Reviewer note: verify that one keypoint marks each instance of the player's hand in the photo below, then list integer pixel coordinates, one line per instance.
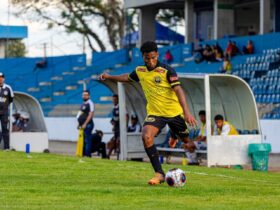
(190, 120)
(103, 76)
(84, 126)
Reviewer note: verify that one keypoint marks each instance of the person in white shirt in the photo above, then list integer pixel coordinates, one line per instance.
(223, 128)
(134, 127)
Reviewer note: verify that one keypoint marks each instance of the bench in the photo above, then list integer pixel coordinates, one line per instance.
(201, 154)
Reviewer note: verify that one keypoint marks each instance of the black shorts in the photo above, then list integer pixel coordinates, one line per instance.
(176, 124)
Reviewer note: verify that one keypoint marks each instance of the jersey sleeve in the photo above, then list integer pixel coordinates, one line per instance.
(11, 94)
(172, 77)
(133, 76)
(91, 106)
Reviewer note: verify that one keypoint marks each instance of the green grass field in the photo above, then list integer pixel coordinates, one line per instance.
(47, 181)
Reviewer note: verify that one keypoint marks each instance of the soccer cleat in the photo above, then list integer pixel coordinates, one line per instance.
(172, 142)
(157, 179)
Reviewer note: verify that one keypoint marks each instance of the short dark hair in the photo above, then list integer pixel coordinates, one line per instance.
(99, 132)
(201, 112)
(115, 96)
(148, 46)
(219, 117)
(86, 91)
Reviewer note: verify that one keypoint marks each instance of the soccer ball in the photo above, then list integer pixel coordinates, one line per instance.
(175, 177)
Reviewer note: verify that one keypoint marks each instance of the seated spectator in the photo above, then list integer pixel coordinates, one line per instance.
(168, 57)
(235, 49)
(228, 52)
(249, 49)
(21, 122)
(226, 68)
(218, 52)
(114, 143)
(97, 144)
(199, 142)
(40, 64)
(223, 128)
(135, 126)
(208, 54)
(198, 54)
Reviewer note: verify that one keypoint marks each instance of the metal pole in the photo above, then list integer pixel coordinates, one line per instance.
(122, 110)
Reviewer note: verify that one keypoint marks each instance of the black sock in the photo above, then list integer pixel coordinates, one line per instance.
(154, 158)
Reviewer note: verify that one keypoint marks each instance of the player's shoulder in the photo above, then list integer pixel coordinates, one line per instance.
(7, 86)
(166, 67)
(141, 69)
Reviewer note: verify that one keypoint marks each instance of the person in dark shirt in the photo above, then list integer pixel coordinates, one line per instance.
(97, 144)
(6, 98)
(114, 143)
(85, 121)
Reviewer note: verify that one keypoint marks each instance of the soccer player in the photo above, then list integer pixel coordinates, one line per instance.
(166, 102)
(223, 127)
(6, 98)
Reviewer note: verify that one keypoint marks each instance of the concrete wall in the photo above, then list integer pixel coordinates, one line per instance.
(64, 129)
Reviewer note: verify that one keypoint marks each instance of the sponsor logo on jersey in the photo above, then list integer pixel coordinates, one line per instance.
(2, 100)
(159, 70)
(5, 92)
(142, 69)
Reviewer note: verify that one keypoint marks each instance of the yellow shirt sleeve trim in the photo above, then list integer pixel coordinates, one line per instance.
(175, 83)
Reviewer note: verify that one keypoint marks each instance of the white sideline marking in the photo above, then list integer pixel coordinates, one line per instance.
(231, 177)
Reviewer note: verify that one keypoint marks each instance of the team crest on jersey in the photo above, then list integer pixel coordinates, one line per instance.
(5, 92)
(157, 79)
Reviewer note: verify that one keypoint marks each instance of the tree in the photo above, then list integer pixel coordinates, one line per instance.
(15, 48)
(78, 16)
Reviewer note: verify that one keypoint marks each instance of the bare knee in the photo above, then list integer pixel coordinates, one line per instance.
(148, 140)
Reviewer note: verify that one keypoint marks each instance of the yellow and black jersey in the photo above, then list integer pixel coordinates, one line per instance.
(157, 85)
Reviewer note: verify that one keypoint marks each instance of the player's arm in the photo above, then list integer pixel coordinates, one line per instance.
(89, 118)
(117, 78)
(183, 102)
(174, 82)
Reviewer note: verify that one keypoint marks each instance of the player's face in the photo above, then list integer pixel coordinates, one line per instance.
(115, 101)
(150, 59)
(202, 118)
(219, 123)
(2, 80)
(85, 96)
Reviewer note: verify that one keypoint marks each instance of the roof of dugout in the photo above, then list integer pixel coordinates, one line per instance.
(229, 95)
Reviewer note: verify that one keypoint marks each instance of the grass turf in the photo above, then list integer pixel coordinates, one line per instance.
(48, 181)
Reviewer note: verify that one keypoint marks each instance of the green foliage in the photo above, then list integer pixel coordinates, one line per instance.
(15, 48)
(48, 181)
(79, 16)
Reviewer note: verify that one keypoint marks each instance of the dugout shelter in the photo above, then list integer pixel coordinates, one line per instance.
(223, 94)
(36, 132)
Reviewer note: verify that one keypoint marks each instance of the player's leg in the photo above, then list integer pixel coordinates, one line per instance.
(110, 146)
(150, 130)
(88, 140)
(173, 140)
(5, 131)
(191, 154)
(178, 128)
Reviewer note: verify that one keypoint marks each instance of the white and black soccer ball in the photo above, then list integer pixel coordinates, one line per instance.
(175, 177)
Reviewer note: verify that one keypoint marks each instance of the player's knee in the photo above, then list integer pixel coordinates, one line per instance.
(147, 140)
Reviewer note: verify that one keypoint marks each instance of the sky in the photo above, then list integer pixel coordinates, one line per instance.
(57, 40)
